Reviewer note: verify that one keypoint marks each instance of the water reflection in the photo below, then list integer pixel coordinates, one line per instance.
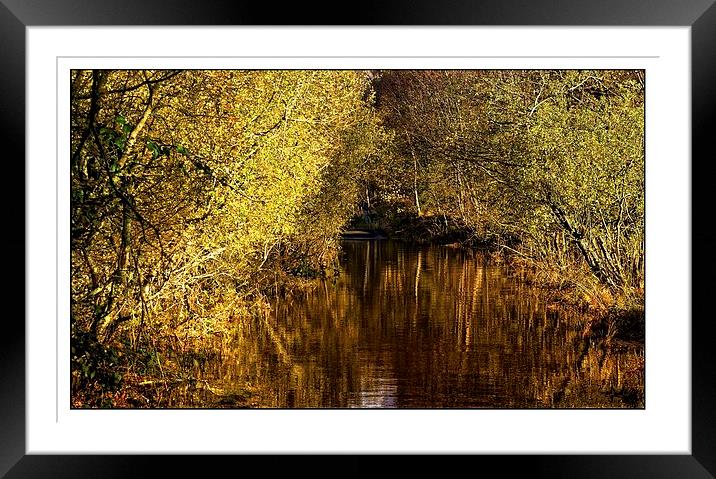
(424, 327)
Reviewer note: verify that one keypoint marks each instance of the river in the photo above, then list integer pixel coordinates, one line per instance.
(406, 326)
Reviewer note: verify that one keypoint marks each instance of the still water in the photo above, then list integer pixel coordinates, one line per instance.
(424, 327)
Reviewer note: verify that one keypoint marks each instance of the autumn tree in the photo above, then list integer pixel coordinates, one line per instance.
(552, 159)
(188, 188)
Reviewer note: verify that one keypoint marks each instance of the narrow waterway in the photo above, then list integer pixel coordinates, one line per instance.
(424, 327)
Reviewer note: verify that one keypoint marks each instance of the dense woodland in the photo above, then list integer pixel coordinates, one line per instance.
(197, 195)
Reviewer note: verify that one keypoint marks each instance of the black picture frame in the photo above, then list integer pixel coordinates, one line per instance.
(700, 15)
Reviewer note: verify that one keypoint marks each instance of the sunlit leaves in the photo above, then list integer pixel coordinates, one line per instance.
(498, 151)
(230, 171)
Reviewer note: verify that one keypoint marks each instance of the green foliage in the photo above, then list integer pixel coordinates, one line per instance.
(551, 160)
(95, 373)
(206, 184)
(587, 162)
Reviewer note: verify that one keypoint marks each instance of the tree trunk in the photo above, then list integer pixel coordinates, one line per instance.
(578, 238)
(107, 321)
(415, 175)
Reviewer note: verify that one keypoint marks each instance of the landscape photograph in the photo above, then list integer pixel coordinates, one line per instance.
(320, 238)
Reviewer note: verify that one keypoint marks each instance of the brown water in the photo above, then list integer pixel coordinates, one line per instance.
(422, 327)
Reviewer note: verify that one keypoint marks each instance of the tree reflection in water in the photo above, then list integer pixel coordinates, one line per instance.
(426, 327)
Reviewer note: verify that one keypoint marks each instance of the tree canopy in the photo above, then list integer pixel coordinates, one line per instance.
(198, 188)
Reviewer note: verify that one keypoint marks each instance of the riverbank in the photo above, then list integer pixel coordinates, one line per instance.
(617, 313)
(421, 229)
(256, 358)
(169, 367)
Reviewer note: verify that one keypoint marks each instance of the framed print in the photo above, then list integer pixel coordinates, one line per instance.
(224, 217)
